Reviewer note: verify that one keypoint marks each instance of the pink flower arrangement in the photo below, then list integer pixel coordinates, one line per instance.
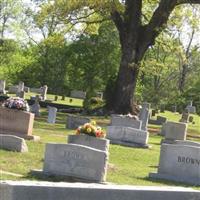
(90, 129)
(16, 103)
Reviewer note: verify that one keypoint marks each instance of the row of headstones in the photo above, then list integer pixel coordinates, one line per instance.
(160, 120)
(52, 111)
(20, 89)
(79, 158)
(82, 95)
(189, 108)
(124, 129)
(84, 157)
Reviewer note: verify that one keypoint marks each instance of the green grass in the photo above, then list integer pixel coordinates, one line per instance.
(126, 165)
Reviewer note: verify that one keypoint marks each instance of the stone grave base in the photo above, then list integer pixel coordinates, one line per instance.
(34, 190)
(168, 177)
(40, 174)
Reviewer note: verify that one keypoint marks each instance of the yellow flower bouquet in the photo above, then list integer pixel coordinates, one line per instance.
(91, 129)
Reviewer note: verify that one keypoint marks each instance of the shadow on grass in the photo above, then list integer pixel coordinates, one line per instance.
(40, 176)
(154, 143)
(167, 182)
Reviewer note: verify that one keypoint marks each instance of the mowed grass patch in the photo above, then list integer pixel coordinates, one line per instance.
(126, 165)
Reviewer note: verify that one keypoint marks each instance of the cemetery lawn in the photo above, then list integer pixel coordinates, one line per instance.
(126, 165)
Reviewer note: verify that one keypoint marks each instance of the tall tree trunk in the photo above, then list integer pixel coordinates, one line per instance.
(126, 82)
(182, 79)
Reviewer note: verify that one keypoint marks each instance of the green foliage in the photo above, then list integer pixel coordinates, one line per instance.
(93, 59)
(12, 60)
(93, 104)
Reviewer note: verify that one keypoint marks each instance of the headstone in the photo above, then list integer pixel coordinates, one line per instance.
(78, 94)
(35, 108)
(123, 120)
(179, 162)
(77, 161)
(190, 108)
(2, 86)
(51, 115)
(13, 89)
(20, 89)
(16, 122)
(127, 136)
(35, 90)
(174, 108)
(86, 140)
(144, 116)
(13, 143)
(74, 122)
(175, 131)
(184, 117)
(44, 92)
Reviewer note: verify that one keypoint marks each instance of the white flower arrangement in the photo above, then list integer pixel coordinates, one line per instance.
(16, 103)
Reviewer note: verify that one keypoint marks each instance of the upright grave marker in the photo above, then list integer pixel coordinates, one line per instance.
(78, 94)
(35, 108)
(123, 120)
(144, 117)
(128, 136)
(51, 115)
(175, 131)
(44, 92)
(13, 143)
(20, 90)
(191, 109)
(74, 122)
(16, 122)
(2, 86)
(77, 161)
(179, 162)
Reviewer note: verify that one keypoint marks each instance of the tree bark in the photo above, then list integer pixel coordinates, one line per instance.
(126, 83)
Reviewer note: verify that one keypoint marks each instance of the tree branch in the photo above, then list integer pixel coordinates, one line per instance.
(118, 21)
